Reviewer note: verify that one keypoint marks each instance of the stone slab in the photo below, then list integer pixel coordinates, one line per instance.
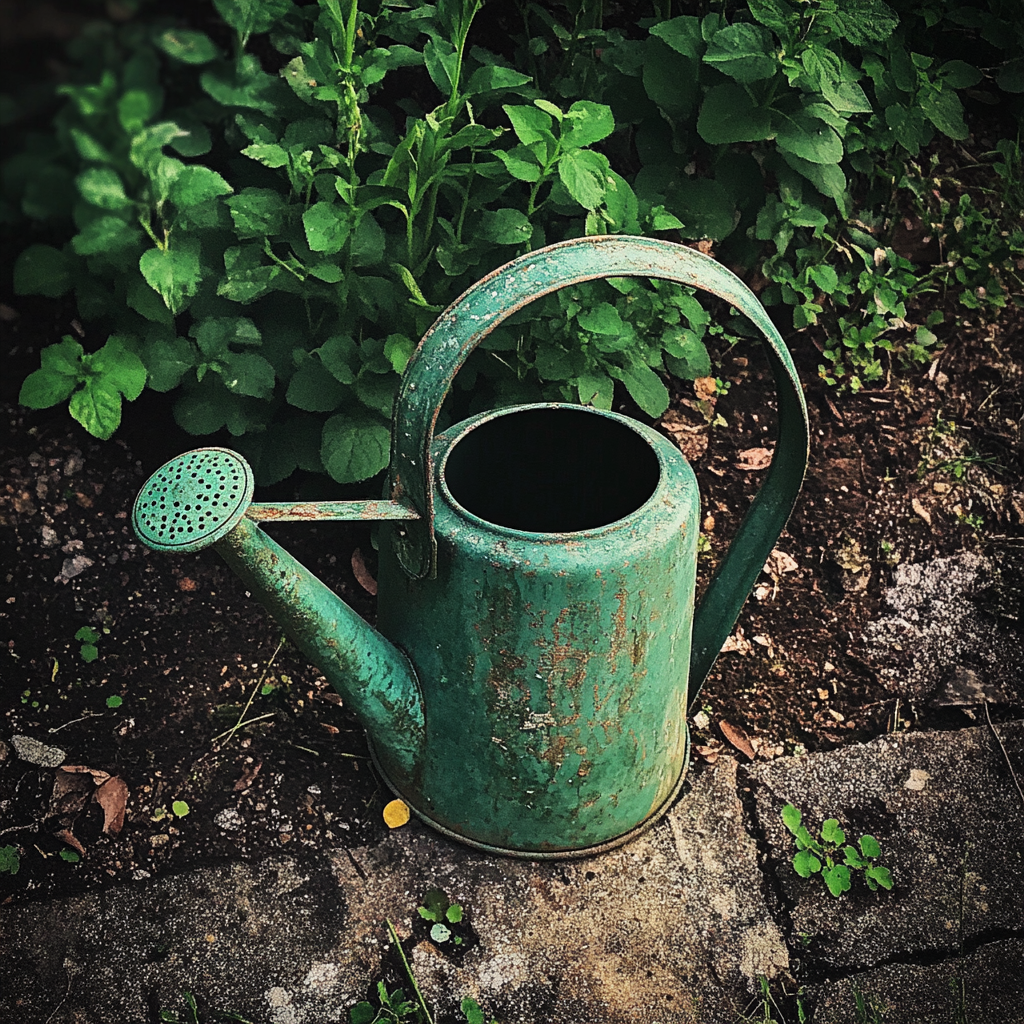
(950, 822)
(671, 929)
(985, 986)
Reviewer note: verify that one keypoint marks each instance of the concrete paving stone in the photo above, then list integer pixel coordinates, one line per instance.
(670, 929)
(950, 822)
(983, 987)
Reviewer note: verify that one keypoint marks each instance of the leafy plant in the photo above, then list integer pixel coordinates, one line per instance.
(10, 860)
(88, 636)
(180, 808)
(191, 1015)
(829, 854)
(437, 909)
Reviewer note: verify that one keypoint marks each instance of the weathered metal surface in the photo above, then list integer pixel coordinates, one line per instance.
(375, 677)
(553, 666)
(193, 500)
(487, 303)
(531, 695)
(280, 512)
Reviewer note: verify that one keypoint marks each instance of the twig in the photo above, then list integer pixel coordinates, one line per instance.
(18, 828)
(252, 696)
(1006, 756)
(408, 971)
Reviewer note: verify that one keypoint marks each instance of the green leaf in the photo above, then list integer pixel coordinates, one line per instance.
(341, 357)
(368, 242)
(595, 389)
(743, 51)
(70, 856)
(601, 319)
(355, 447)
(505, 227)
(491, 77)
(193, 140)
(670, 79)
(728, 114)
(1011, 75)
(248, 373)
(362, 1013)
(247, 275)
(774, 14)
(682, 34)
(58, 376)
(832, 833)
(174, 273)
(853, 859)
(837, 879)
(107, 236)
(704, 208)
(187, 45)
(327, 226)
(42, 270)
(945, 111)
(270, 154)
(792, 817)
(195, 184)
(87, 634)
(879, 875)
(645, 387)
(167, 361)
(861, 21)
(97, 406)
(529, 124)
(521, 163)
(828, 179)
(102, 186)
(824, 277)
(686, 354)
(398, 350)
(958, 74)
(247, 17)
(138, 106)
(314, 389)
(806, 864)
(180, 808)
(440, 933)
(454, 914)
(88, 148)
(119, 366)
(114, 701)
(809, 138)
(587, 123)
(257, 212)
(584, 174)
(471, 1011)
(9, 860)
(869, 846)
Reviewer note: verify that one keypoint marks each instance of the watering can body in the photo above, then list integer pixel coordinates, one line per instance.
(526, 688)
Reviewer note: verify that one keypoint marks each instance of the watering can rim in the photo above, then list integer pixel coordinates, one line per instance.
(662, 492)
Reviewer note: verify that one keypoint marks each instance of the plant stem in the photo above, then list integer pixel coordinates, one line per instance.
(408, 971)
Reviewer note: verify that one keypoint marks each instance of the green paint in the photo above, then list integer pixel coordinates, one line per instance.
(527, 691)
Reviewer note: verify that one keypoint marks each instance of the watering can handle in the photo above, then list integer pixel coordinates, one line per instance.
(472, 316)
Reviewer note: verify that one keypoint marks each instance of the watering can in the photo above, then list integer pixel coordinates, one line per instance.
(525, 690)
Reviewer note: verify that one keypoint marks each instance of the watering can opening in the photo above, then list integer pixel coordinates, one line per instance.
(551, 469)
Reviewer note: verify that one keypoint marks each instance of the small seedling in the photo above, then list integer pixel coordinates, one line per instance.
(830, 854)
(180, 808)
(114, 701)
(9, 860)
(436, 908)
(89, 637)
(70, 856)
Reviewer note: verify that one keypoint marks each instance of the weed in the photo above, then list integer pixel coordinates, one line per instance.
(437, 909)
(829, 854)
(869, 1010)
(89, 638)
(765, 1010)
(191, 1014)
(10, 860)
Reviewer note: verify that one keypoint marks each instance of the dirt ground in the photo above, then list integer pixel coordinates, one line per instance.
(928, 465)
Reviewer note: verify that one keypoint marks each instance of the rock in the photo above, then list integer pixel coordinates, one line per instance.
(72, 567)
(38, 753)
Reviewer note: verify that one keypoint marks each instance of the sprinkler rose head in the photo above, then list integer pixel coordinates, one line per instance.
(194, 500)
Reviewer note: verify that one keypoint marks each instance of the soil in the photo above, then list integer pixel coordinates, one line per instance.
(928, 465)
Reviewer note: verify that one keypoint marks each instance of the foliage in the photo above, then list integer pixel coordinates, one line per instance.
(87, 635)
(10, 860)
(192, 1013)
(830, 854)
(442, 914)
(268, 216)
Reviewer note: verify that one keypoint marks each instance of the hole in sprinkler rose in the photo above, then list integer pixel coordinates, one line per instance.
(552, 470)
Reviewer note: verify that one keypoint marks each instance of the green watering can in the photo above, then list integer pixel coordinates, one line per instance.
(526, 692)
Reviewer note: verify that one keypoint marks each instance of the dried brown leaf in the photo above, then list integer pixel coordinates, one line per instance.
(779, 562)
(112, 796)
(65, 835)
(705, 388)
(98, 776)
(738, 738)
(362, 574)
(71, 792)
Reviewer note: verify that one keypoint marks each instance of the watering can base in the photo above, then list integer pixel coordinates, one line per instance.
(560, 853)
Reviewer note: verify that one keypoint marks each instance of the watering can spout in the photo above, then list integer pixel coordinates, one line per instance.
(201, 499)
